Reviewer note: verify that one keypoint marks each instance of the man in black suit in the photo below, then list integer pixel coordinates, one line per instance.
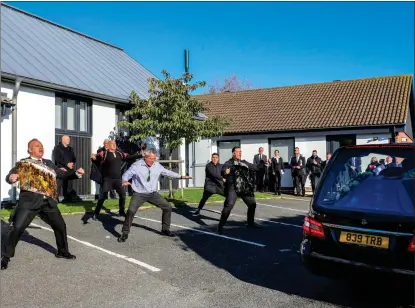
(213, 181)
(298, 172)
(65, 157)
(37, 201)
(324, 163)
(277, 166)
(260, 160)
(229, 171)
(314, 169)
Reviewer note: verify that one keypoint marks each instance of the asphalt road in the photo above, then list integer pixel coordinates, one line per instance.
(197, 268)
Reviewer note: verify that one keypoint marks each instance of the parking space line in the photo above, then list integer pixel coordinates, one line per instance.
(206, 232)
(261, 219)
(289, 198)
(131, 260)
(283, 208)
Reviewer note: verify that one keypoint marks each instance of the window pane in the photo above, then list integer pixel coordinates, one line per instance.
(58, 113)
(285, 146)
(70, 114)
(225, 150)
(83, 119)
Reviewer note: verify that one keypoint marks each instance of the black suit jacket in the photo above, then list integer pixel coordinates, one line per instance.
(214, 179)
(260, 162)
(277, 165)
(33, 200)
(230, 164)
(294, 163)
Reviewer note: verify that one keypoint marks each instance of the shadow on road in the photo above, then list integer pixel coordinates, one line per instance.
(283, 271)
(26, 237)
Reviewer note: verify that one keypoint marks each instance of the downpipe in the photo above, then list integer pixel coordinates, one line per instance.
(14, 133)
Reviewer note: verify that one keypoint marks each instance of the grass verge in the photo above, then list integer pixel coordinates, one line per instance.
(191, 196)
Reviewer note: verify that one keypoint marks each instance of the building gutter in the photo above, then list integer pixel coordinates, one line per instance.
(59, 88)
(16, 89)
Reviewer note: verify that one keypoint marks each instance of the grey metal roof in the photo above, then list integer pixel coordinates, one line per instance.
(38, 49)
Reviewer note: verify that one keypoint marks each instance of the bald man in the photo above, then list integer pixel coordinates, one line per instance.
(64, 157)
(38, 196)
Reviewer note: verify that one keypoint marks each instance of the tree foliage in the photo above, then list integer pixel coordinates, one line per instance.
(231, 84)
(169, 113)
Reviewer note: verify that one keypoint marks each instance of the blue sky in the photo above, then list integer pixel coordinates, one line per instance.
(268, 43)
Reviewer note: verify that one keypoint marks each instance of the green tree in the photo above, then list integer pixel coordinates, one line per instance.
(170, 113)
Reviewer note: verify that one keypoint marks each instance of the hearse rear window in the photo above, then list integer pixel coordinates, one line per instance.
(374, 180)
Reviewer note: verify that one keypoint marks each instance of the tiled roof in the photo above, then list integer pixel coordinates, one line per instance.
(339, 104)
(35, 48)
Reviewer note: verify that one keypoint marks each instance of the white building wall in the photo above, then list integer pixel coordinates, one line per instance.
(250, 147)
(103, 122)
(33, 107)
(307, 145)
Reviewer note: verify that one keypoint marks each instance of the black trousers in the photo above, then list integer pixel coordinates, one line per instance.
(231, 197)
(277, 182)
(314, 178)
(63, 187)
(206, 196)
(299, 183)
(108, 185)
(260, 174)
(22, 218)
(154, 198)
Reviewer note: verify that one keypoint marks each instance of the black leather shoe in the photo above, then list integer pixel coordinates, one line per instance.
(167, 233)
(123, 238)
(196, 213)
(4, 263)
(65, 255)
(94, 217)
(122, 214)
(220, 230)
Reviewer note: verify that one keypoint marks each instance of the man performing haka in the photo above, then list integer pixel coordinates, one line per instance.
(38, 196)
(111, 161)
(213, 182)
(239, 183)
(145, 175)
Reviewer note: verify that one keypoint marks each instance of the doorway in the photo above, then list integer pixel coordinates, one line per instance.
(333, 142)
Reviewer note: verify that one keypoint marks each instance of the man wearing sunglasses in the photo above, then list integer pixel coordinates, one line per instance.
(145, 174)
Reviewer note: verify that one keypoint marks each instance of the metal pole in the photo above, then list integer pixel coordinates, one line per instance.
(14, 133)
(181, 181)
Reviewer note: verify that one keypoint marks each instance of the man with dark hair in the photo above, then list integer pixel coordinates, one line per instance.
(213, 181)
(277, 167)
(313, 167)
(111, 161)
(239, 176)
(38, 196)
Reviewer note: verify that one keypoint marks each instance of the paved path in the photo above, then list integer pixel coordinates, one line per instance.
(198, 268)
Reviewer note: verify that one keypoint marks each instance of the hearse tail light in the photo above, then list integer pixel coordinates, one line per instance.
(312, 227)
(411, 247)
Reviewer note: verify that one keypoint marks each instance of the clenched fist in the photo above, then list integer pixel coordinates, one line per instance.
(13, 177)
(227, 171)
(80, 171)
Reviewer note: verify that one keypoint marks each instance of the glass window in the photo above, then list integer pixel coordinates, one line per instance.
(285, 146)
(225, 149)
(83, 119)
(70, 114)
(58, 113)
(371, 180)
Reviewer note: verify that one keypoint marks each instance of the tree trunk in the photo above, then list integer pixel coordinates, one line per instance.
(171, 195)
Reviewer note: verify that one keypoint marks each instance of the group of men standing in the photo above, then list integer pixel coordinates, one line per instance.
(300, 167)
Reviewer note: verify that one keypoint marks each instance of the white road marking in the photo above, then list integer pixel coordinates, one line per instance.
(289, 198)
(261, 219)
(285, 250)
(206, 232)
(131, 260)
(283, 208)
